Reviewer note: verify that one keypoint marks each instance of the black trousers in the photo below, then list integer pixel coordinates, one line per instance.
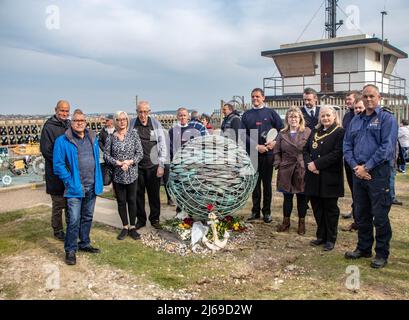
(59, 203)
(349, 172)
(126, 197)
(166, 179)
(373, 202)
(147, 180)
(265, 176)
(326, 213)
(301, 204)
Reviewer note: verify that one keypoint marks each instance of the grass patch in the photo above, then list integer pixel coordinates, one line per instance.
(21, 230)
(6, 217)
(260, 270)
(10, 216)
(168, 270)
(9, 291)
(108, 195)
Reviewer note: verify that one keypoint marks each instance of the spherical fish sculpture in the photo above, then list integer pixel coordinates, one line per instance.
(211, 172)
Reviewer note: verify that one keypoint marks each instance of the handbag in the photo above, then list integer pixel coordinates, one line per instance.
(107, 170)
(106, 173)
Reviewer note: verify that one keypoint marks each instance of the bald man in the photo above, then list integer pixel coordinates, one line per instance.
(52, 129)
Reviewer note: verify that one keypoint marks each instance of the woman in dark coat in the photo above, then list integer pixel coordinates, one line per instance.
(288, 160)
(324, 181)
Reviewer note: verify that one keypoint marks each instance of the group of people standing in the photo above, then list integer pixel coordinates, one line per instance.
(74, 177)
(309, 154)
(135, 149)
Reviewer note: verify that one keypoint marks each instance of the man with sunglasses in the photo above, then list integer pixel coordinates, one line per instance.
(76, 163)
(369, 147)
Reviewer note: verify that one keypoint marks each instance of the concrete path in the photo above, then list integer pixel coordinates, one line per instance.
(22, 197)
(106, 212)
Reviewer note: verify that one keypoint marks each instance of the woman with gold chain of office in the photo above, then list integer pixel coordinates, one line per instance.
(324, 181)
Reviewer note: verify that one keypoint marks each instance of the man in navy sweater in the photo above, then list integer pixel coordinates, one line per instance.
(261, 119)
(182, 133)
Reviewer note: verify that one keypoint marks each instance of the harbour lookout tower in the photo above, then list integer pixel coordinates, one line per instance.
(334, 66)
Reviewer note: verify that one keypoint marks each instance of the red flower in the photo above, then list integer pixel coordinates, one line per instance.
(188, 221)
(228, 218)
(210, 207)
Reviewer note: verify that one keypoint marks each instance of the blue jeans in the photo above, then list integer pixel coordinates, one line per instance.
(403, 155)
(80, 213)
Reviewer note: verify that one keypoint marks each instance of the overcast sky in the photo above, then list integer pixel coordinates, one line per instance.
(100, 54)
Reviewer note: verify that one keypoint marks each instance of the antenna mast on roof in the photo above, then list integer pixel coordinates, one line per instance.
(331, 24)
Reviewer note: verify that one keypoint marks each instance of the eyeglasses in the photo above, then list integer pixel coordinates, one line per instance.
(122, 119)
(144, 112)
(79, 121)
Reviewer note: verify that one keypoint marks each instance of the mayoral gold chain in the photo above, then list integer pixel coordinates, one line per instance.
(318, 138)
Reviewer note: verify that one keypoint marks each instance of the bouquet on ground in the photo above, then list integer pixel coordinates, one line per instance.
(183, 227)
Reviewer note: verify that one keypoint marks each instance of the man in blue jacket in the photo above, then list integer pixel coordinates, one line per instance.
(76, 163)
(369, 146)
(261, 120)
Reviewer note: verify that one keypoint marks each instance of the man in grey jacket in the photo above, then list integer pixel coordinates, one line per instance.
(151, 167)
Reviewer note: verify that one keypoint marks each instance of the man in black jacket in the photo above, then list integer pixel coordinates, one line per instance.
(310, 110)
(350, 101)
(231, 122)
(52, 129)
(106, 131)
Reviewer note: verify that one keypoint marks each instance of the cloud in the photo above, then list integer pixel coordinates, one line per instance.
(172, 52)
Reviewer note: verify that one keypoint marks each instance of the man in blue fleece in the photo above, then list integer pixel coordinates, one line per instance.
(369, 149)
(261, 119)
(76, 163)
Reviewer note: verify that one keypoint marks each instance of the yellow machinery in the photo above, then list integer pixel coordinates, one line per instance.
(22, 159)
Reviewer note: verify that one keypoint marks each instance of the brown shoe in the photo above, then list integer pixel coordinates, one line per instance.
(285, 226)
(301, 226)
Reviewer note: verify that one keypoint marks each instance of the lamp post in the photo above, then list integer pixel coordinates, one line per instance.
(383, 13)
(240, 100)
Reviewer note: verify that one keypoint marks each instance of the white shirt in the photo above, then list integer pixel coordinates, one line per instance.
(311, 109)
(403, 136)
